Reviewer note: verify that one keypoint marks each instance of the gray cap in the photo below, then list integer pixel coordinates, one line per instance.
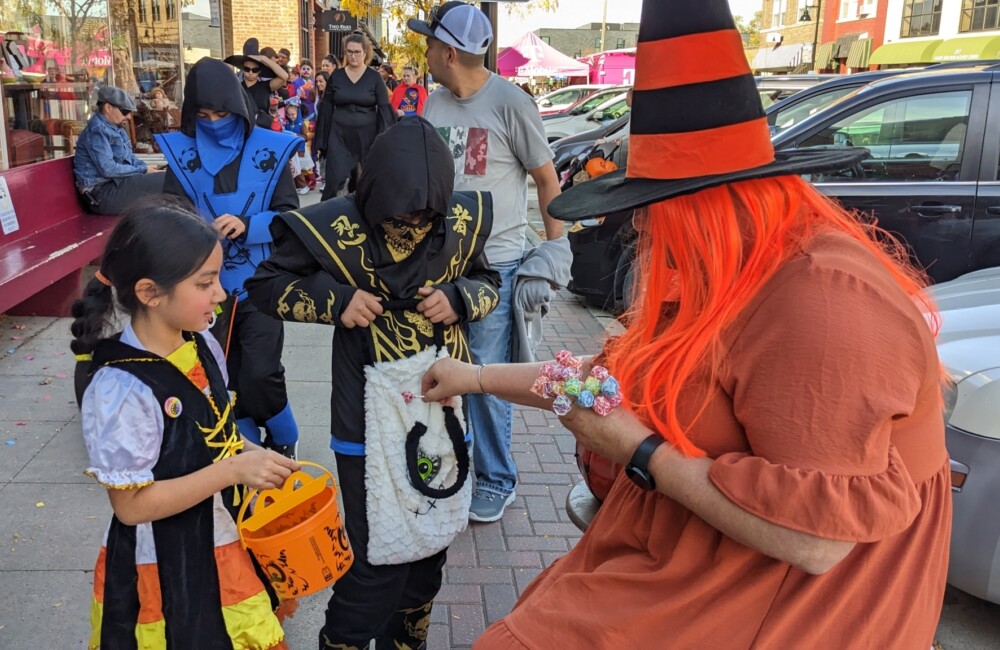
(115, 97)
(460, 25)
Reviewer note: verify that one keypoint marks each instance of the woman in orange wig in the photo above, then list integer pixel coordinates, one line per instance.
(783, 352)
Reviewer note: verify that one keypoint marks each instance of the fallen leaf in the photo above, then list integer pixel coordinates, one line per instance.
(40, 504)
(45, 382)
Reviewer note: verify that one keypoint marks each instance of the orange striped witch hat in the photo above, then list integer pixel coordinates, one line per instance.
(697, 119)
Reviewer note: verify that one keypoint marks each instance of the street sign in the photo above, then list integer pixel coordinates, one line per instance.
(336, 21)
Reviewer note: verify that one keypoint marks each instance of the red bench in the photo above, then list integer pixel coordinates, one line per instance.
(41, 262)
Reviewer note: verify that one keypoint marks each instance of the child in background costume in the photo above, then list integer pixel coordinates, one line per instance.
(404, 235)
(302, 163)
(238, 179)
(158, 424)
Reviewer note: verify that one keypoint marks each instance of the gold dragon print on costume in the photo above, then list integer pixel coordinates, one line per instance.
(483, 303)
(304, 309)
(421, 322)
(460, 216)
(346, 229)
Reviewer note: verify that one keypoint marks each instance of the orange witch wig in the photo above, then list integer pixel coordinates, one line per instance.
(702, 258)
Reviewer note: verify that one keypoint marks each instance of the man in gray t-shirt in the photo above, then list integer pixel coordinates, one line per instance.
(497, 140)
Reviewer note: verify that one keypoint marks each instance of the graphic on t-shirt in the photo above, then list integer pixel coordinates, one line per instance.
(409, 102)
(469, 147)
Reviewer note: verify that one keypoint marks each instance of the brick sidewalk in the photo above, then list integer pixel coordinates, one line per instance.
(489, 565)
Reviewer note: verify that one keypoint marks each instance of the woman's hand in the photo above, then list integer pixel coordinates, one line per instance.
(448, 378)
(264, 469)
(614, 436)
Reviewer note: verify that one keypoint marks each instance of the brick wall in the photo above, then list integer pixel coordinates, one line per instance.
(274, 23)
(792, 31)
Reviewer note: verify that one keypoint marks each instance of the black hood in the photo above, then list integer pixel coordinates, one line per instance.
(409, 168)
(211, 84)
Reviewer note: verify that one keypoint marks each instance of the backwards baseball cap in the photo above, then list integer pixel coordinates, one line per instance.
(457, 24)
(115, 97)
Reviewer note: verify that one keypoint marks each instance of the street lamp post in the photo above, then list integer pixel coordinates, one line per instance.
(604, 26)
(818, 8)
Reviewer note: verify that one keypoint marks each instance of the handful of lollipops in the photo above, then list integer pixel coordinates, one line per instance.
(561, 381)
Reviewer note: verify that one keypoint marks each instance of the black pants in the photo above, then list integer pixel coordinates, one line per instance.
(392, 603)
(113, 196)
(254, 364)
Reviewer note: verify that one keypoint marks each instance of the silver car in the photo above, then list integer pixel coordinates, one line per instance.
(969, 347)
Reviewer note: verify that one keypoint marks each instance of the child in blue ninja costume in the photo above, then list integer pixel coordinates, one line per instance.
(237, 177)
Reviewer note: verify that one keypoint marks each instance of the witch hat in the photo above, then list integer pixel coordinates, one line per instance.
(697, 120)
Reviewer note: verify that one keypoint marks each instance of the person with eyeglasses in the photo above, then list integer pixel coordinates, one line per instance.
(354, 110)
(255, 70)
(497, 140)
(109, 176)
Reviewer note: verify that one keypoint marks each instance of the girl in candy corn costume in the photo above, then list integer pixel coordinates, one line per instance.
(160, 433)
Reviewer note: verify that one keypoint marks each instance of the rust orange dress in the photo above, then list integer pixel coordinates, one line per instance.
(826, 420)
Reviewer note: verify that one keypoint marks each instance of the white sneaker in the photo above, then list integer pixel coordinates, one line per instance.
(302, 190)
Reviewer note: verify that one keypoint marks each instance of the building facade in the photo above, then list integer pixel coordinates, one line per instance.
(938, 31)
(788, 34)
(143, 46)
(586, 39)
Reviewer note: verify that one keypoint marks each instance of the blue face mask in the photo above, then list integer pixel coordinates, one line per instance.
(220, 142)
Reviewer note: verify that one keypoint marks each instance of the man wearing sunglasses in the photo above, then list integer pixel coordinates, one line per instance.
(108, 175)
(496, 137)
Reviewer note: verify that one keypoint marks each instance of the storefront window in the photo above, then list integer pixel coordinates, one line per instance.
(52, 57)
(66, 49)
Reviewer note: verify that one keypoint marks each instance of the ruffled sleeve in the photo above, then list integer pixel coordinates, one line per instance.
(820, 373)
(122, 428)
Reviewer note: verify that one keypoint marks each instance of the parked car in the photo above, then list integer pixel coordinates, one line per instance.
(603, 115)
(969, 347)
(565, 150)
(564, 98)
(932, 179)
(775, 88)
(587, 104)
(793, 109)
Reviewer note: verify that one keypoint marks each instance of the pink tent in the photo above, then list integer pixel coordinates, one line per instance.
(530, 56)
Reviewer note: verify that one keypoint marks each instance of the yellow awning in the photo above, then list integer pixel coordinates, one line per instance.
(858, 55)
(968, 48)
(903, 52)
(824, 56)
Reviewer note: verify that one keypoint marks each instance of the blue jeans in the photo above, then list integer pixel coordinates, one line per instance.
(491, 418)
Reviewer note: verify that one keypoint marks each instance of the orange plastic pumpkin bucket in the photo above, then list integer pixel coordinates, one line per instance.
(297, 534)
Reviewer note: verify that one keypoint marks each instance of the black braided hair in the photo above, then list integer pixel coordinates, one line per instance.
(157, 238)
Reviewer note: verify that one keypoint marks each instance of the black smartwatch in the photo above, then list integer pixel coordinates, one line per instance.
(638, 468)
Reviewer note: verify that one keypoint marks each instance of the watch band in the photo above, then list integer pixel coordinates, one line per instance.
(640, 459)
(638, 468)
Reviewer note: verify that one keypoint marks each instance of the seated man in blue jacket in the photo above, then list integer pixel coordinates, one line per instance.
(108, 175)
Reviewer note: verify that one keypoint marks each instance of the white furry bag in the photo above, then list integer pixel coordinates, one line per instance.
(416, 464)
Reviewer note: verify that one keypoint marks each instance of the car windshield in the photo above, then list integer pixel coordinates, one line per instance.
(801, 110)
(592, 102)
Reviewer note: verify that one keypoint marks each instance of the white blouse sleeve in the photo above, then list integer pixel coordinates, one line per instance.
(122, 428)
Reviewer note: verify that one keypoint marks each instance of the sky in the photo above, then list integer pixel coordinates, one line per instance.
(573, 13)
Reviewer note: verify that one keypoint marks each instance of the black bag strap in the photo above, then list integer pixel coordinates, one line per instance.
(454, 429)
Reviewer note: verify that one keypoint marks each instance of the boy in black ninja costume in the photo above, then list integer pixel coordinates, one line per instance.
(398, 269)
